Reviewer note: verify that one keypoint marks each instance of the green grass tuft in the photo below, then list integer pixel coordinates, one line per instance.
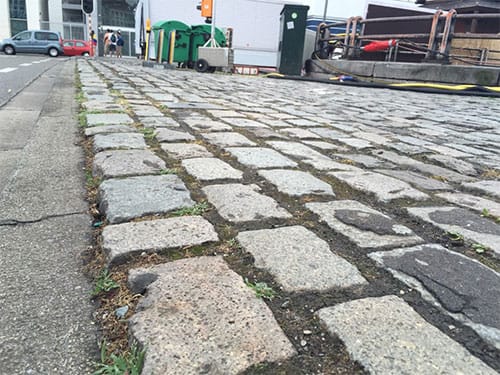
(129, 363)
(104, 283)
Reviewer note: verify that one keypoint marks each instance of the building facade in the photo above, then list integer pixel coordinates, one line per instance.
(67, 17)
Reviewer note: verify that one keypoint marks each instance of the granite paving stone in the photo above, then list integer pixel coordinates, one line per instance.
(239, 203)
(385, 188)
(416, 179)
(121, 163)
(121, 241)
(329, 133)
(372, 137)
(147, 110)
(438, 274)
(95, 105)
(473, 202)
(118, 141)
(260, 157)
(296, 149)
(490, 187)
(125, 199)
(228, 139)
(386, 336)
(208, 125)
(107, 129)
(208, 169)
(363, 225)
(209, 323)
(468, 149)
(460, 220)
(422, 167)
(326, 146)
(300, 133)
(296, 183)
(185, 150)
(356, 143)
(94, 119)
(456, 164)
(366, 160)
(168, 135)
(299, 260)
(302, 122)
(158, 122)
(244, 123)
(225, 113)
(266, 133)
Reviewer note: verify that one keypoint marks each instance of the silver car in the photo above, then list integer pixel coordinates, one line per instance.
(33, 41)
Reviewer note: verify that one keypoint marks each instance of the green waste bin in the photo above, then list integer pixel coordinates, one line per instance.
(182, 39)
(200, 34)
(292, 35)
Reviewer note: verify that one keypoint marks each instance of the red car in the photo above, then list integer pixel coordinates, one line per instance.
(76, 47)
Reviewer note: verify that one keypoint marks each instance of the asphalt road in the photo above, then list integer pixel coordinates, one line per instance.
(17, 71)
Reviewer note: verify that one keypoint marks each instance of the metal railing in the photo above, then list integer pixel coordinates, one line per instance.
(436, 48)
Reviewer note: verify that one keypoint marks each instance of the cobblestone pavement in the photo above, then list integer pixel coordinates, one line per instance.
(372, 214)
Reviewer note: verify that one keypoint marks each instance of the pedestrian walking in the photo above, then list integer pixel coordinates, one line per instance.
(107, 42)
(112, 43)
(119, 44)
(93, 38)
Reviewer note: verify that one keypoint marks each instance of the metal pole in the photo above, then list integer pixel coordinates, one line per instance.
(326, 8)
(212, 32)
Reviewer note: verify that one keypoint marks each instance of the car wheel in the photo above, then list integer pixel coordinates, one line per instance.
(53, 52)
(202, 66)
(86, 54)
(9, 50)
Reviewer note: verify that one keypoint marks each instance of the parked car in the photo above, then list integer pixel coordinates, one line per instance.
(34, 41)
(75, 47)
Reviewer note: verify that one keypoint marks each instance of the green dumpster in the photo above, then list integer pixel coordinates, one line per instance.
(182, 39)
(200, 34)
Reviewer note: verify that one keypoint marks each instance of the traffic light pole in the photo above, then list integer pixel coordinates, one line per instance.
(213, 43)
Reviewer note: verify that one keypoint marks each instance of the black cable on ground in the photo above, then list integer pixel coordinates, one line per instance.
(470, 90)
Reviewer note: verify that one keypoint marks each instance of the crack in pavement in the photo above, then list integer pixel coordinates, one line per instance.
(14, 222)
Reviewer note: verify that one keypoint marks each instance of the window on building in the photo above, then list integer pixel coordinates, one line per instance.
(18, 21)
(119, 13)
(73, 15)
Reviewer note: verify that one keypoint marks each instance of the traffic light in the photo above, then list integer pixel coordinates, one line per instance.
(87, 6)
(206, 10)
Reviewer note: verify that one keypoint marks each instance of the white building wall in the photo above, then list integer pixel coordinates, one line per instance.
(4, 19)
(33, 13)
(56, 15)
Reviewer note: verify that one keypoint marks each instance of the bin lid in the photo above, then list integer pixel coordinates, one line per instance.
(171, 25)
(207, 29)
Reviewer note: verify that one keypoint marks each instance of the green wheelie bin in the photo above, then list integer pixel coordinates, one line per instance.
(182, 40)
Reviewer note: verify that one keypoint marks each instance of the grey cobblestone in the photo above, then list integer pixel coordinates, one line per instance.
(402, 344)
(220, 327)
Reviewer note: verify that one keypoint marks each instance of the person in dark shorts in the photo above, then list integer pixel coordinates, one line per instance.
(119, 44)
(112, 43)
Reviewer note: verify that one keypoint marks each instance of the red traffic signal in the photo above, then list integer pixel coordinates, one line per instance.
(87, 6)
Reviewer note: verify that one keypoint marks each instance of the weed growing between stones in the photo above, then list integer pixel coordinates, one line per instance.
(129, 363)
(168, 171)
(261, 289)
(197, 209)
(149, 133)
(455, 238)
(479, 248)
(104, 283)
